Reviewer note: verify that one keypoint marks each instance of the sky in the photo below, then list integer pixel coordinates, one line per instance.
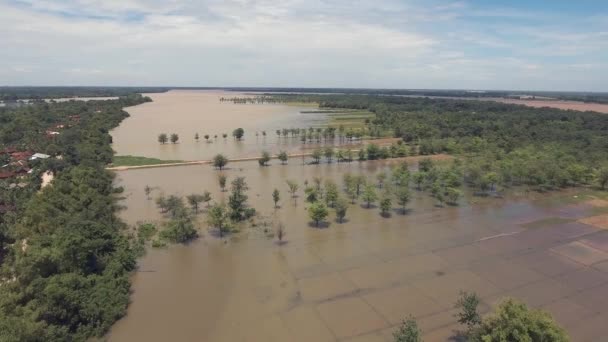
(413, 44)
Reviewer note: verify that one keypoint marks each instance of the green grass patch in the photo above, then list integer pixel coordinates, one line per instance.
(138, 161)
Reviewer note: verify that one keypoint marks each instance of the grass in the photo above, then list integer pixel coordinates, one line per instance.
(138, 161)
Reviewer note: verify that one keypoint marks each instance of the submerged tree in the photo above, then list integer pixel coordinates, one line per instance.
(217, 216)
(196, 137)
(194, 200)
(162, 138)
(237, 201)
(280, 232)
(316, 155)
(513, 321)
(369, 195)
(318, 212)
(283, 157)
(468, 314)
(341, 207)
(408, 332)
(403, 197)
(174, 138)
(206, 198)
(331, 193)
(147, 191)
(293, 188)
(219, 161)
(221, 178)
(264, 159)
(180, 227)
(276, 197)
(238, 133)
(329, 154)
(386, 203)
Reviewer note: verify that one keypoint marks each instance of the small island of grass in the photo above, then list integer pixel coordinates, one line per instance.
(138, 161)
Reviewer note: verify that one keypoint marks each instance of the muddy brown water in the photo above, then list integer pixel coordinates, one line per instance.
(358, 279)
(187, 112)
(351, 281)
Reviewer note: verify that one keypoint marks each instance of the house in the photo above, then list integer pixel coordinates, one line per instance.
(21, 155)
(6, 174)
(8, 150)
(39, 156)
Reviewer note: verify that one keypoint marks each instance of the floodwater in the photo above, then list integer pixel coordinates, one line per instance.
(357, 280)
(351, 281)
(187, 112)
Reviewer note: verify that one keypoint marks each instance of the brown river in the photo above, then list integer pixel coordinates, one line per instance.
(351, 281)
(187, 112)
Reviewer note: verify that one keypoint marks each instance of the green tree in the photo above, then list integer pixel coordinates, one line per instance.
(513, 321)
(221, 178)
(369, 195)
(194, 200)
(361, 155)
(312, 194)
(217, 216)
(418, 179)
(341, 207)
(403, 197)
(452, 195)
(408, 332)
(386, 203)
(316, 155)
(468, 313)
(276, 197)
(329, 154)
(180, 228)
(283, 157)
(237, 201)
(318, 212)
(219, 161)
(162, 138)
(174, 138)
(207, 197)
(293, 188)
(331, 193)
(147, 191)
(238, 133)
(381, 177)
(425, 165)
(602, 177)
(264, 159)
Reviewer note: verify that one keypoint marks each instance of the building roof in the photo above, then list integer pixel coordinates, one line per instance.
(40, 156)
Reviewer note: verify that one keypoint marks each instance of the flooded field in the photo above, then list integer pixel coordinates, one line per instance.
(187, 112)
(357, 280)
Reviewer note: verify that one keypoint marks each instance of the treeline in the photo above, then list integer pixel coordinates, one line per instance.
(66, 255)
(39, 93)
(545, 148)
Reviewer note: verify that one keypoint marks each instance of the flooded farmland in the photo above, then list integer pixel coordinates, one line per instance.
(187, 112)
(355, 281)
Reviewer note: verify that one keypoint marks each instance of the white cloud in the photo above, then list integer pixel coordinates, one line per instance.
(384, 43)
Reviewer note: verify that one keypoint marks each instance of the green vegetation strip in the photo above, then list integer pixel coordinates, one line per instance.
(139, 161)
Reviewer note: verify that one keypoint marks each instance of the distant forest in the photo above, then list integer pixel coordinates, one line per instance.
(23, 93)
(546, 148)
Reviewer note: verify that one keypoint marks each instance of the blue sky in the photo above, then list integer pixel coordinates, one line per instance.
(520, 45)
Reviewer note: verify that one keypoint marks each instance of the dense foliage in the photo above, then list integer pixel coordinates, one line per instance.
(35, 93)
(67, 258)
(545, 148)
